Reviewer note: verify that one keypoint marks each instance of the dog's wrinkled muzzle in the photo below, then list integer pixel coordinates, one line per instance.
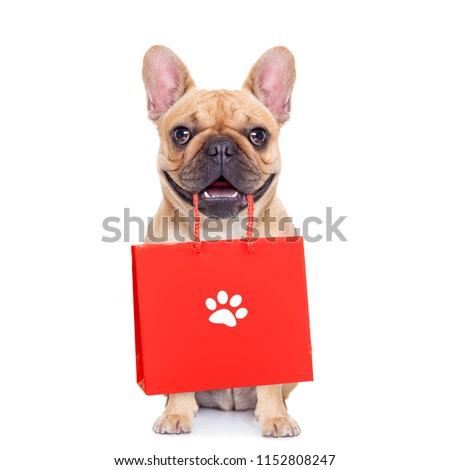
(222, 175)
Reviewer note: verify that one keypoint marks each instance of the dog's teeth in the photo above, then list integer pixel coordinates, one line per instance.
(234, 194)
(206, 194)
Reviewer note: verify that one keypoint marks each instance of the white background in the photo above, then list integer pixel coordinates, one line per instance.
(369, 136)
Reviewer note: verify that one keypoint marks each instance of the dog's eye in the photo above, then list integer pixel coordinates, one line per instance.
(181, 135)
(257, 136)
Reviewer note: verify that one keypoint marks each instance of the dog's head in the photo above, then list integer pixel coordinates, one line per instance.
(221, 145)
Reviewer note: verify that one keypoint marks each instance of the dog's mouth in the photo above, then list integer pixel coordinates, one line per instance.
(221, 189)
(220, 199)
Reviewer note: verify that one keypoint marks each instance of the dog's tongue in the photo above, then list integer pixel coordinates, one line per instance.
(220, 189)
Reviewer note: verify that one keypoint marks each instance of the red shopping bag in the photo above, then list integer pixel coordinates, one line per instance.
(221, 315)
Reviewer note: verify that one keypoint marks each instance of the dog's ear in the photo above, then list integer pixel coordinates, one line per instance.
(271, 80)
(166, 79)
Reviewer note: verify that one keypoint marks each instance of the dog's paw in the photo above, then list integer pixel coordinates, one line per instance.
(279, 426)
(173, 423)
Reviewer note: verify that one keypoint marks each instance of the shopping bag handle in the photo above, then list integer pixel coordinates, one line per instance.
(250, 221)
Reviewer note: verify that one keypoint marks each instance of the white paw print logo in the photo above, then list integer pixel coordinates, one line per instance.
(224, 316)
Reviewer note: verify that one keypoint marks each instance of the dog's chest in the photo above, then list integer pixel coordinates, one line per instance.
(228, 399)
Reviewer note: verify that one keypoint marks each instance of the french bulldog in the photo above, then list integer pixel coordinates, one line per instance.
(223, 146)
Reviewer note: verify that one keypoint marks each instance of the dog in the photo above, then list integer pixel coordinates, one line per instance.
(221, 145)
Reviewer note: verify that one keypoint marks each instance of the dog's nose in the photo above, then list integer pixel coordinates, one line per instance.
(221, 147)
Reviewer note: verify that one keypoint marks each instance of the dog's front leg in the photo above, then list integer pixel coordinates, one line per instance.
(271, 413)
(179, 414)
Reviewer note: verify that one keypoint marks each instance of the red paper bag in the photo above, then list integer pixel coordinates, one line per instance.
(220, 318)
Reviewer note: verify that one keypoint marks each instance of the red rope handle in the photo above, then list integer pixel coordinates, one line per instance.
(196, 225)
(250, 223)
